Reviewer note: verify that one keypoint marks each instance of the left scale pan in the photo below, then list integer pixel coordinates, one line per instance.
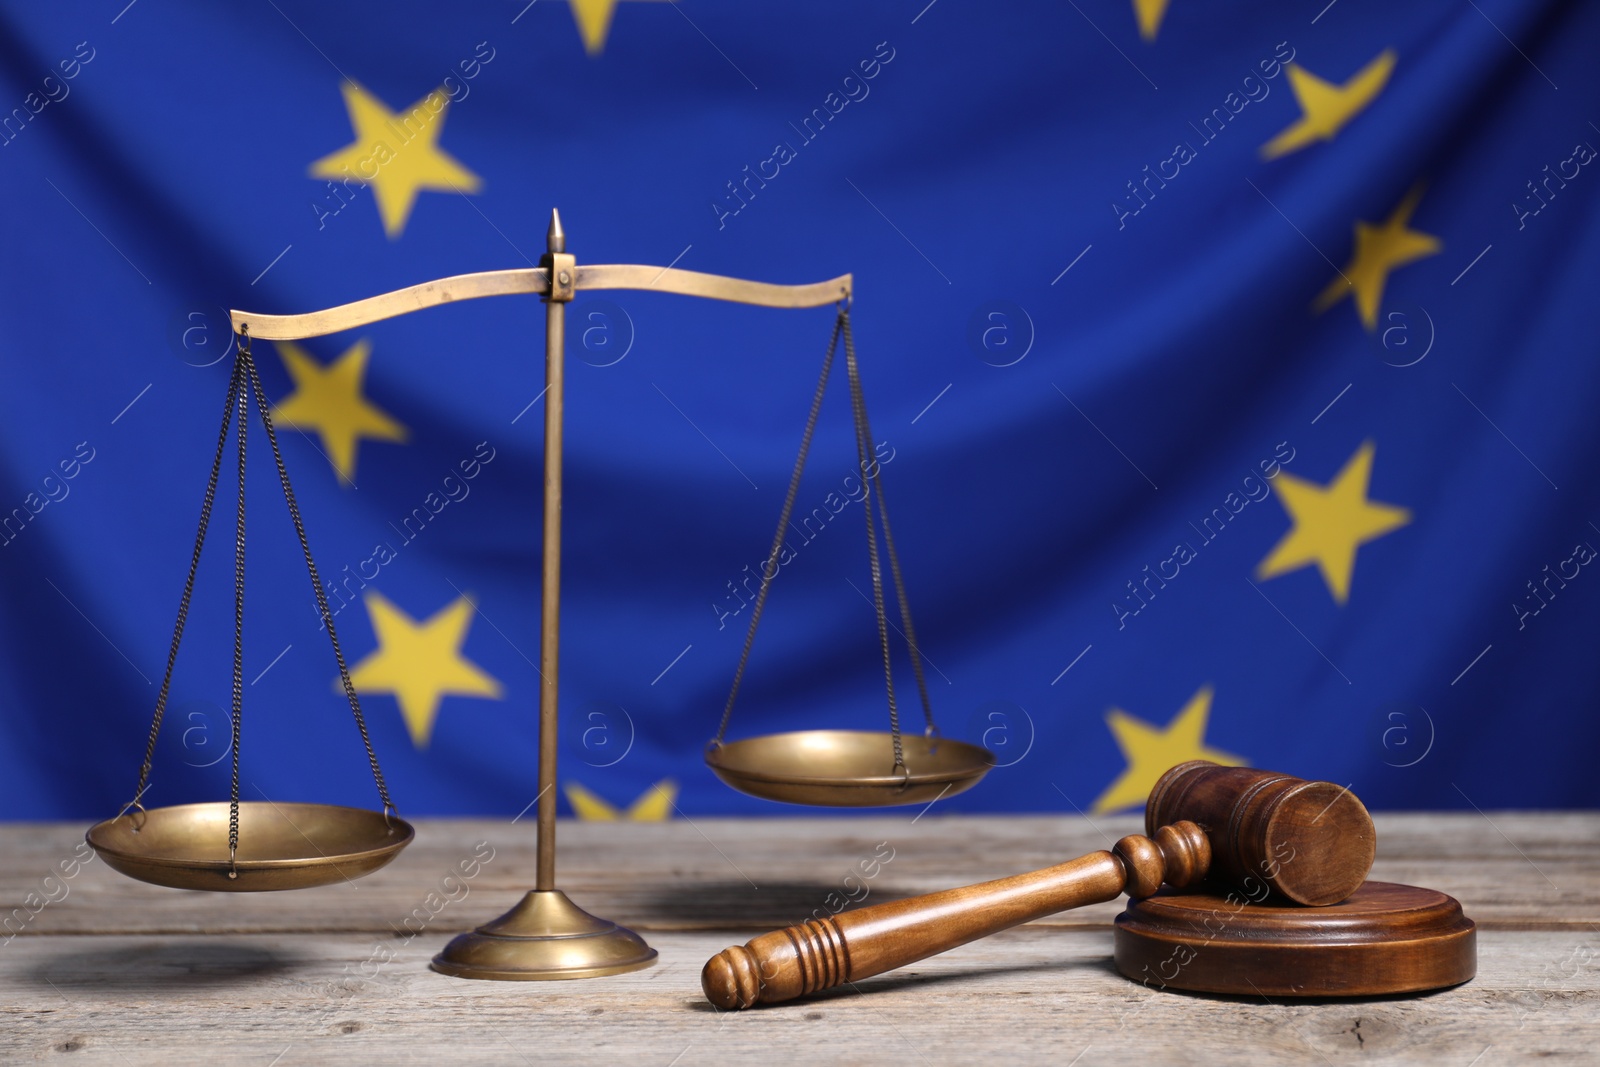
(237, 846)
(281, 846)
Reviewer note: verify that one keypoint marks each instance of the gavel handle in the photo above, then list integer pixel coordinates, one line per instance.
(823, 953)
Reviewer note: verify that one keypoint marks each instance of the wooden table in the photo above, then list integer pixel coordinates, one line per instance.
(105, 970)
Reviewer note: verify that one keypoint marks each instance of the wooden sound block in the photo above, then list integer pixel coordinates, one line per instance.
(1385, 938)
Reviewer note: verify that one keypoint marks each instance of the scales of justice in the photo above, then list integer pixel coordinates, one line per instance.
(269, 845)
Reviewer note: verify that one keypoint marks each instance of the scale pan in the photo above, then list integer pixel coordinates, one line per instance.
(848, 768)
(281, 846)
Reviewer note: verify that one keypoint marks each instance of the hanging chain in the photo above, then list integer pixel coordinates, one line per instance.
(188, 591)
(244, 382)
(770, 570)
(864, 453)
(238, 630)
(912, 646)
(872, 484)
(311, 568)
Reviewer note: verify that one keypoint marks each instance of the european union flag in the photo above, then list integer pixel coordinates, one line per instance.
(1232, 375)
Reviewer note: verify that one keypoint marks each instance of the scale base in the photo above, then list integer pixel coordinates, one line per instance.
(546, 937)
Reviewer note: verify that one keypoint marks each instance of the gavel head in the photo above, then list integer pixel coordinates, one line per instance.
(1312, 842)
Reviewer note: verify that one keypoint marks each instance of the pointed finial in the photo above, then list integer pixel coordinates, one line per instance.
(555, 237)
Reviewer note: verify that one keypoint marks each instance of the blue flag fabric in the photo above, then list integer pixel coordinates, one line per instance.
(1232, 377)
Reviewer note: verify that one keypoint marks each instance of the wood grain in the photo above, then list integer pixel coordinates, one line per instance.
(1543, 873)
(116, 972)
(1384, 938)
(1032, 995)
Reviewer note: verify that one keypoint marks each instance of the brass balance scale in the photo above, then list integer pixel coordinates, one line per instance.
(253, 846)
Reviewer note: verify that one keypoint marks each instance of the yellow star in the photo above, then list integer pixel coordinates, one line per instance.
(1328, 107)
(1331, 523)
(421, 662)
(652, 806)
(1151, 751)
(594, 21)
(1150, 13)
(1379, 250)
(397, 153)
(328, 400)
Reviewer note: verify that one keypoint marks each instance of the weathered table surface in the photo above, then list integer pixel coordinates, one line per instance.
(105, 970)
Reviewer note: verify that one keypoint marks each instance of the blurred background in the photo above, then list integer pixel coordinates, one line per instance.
(1231, 368)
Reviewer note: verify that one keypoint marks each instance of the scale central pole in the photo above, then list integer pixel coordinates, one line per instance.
(547, 936)
(550, 604)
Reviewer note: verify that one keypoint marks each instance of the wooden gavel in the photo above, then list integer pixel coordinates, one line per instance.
(1310, 842)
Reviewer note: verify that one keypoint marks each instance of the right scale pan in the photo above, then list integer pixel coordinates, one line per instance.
(848, 768)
